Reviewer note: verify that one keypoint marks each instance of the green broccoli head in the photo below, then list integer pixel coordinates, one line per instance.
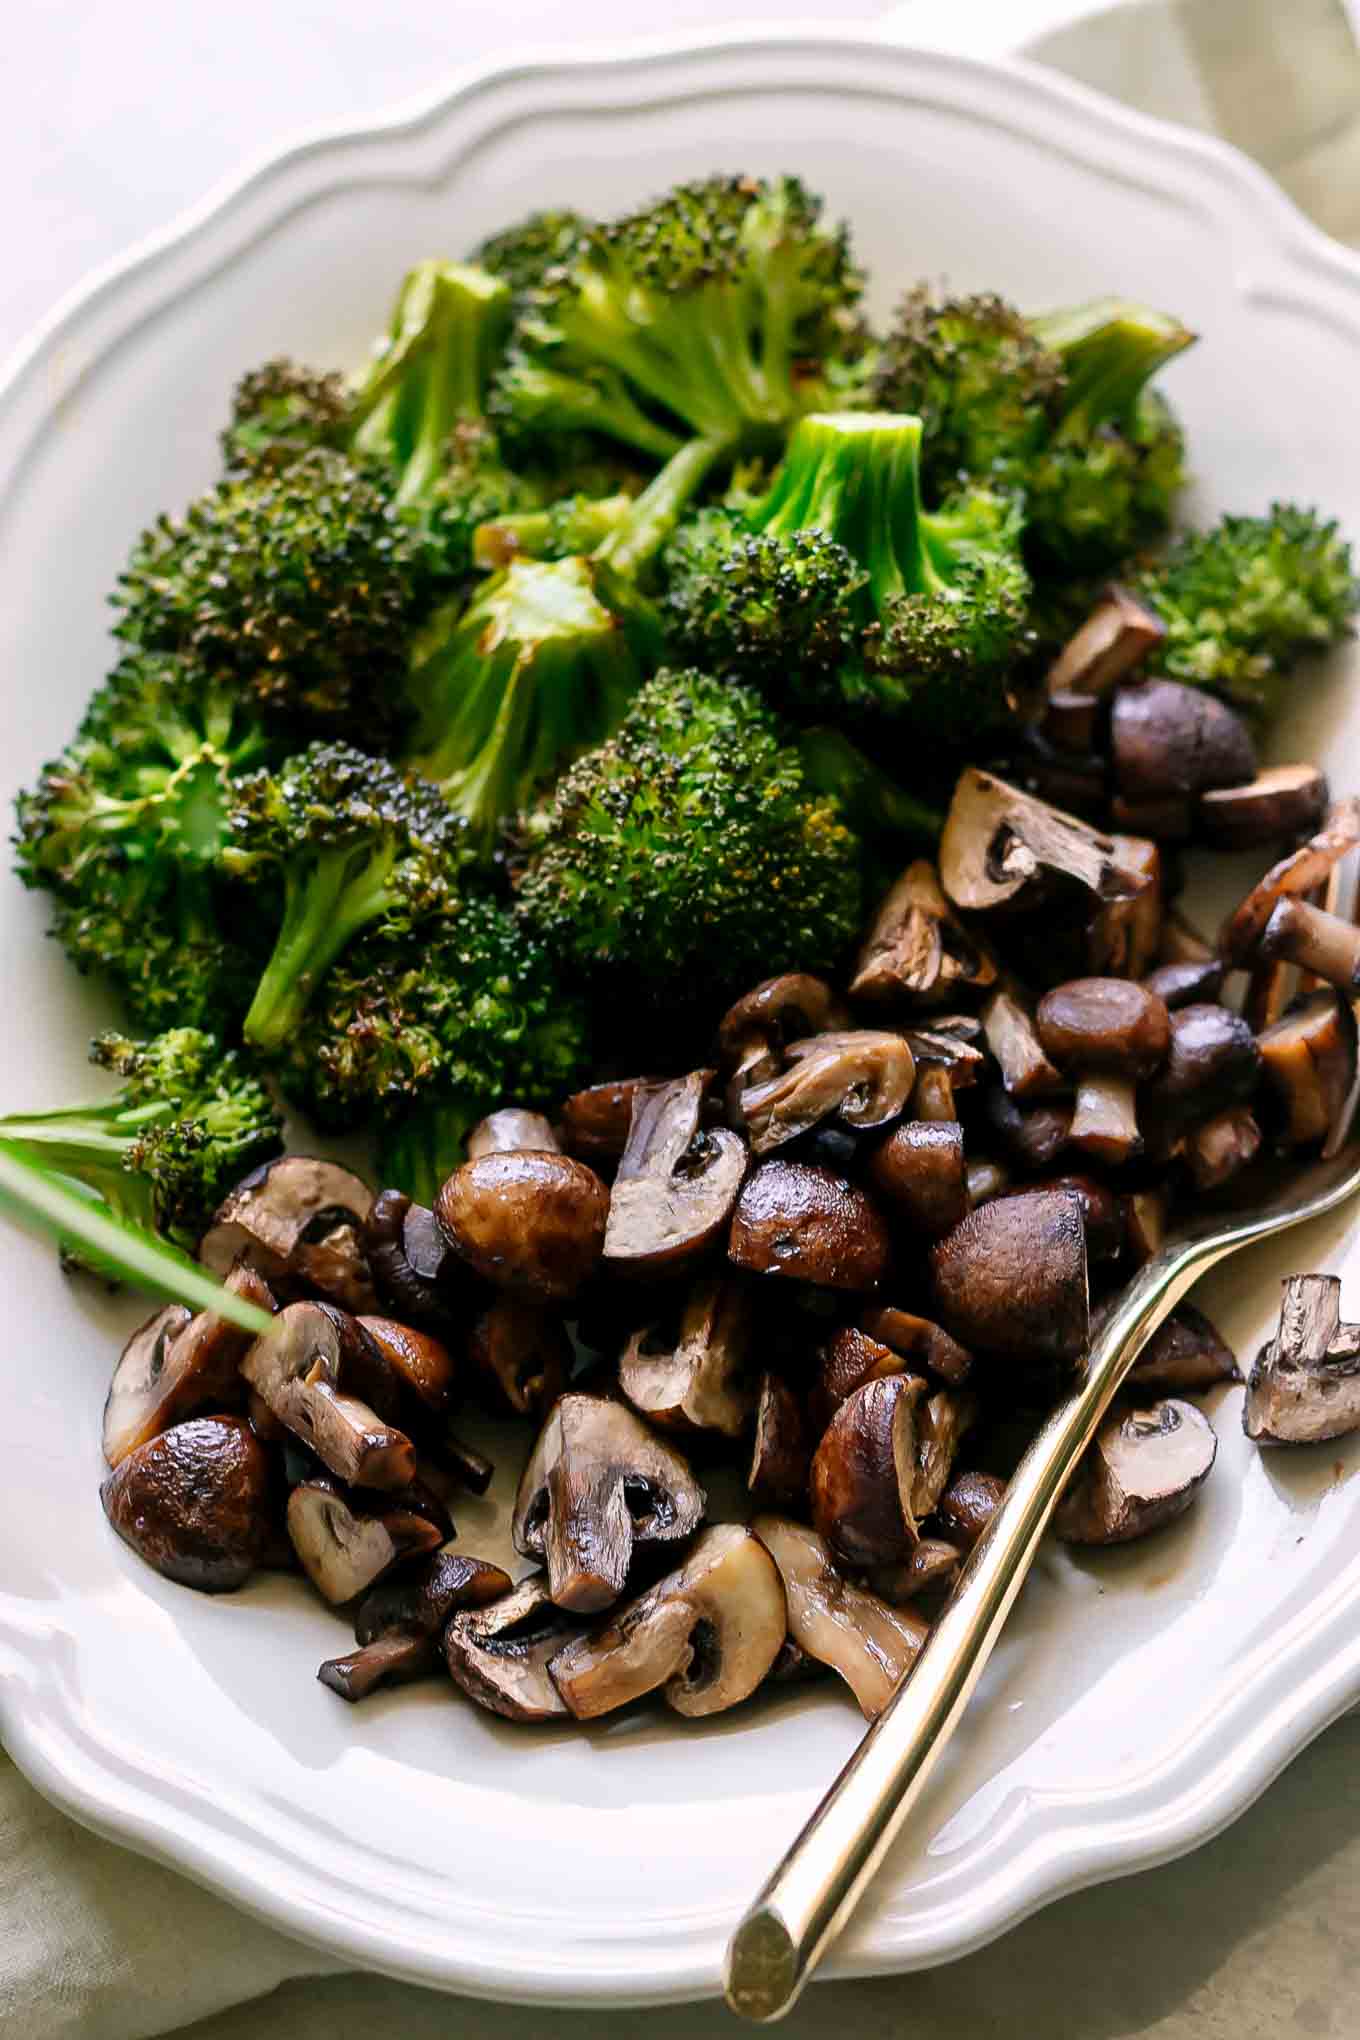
(1245, 600)
(423, 1045)
(354, 845)
(708, 314)
(298, 586)
(688, 853)
(283, 410)
(186, 1123)
(521, 256)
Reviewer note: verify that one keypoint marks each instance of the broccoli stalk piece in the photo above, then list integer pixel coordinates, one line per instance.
(838, 589)
(704, 315)
(186, 1122)
(689, 853)
(1243, 602)
(544, 659)
(355, 845)
(574, 524)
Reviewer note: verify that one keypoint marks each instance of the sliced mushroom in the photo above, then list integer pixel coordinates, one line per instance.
(1010, 1280)
(1294, 875)
(932, 1565)
(1144, 1213)
(1123, 935)
(1025, 1070)
(921, 1172)
(1282, 802)
(499, 1655)
(397, 1625)
(803, 1223)
(862, 1485)
(758, 1028)
(706, 1634)
(871, 1645)
(942, 1421)
(1108, 1033)
(533, 1223)
(863, 1076)
(421, 1365)
(1117, 636)
(511, 1131)
(193, 1502)
(1212, 1063)
(596, 1484)
(677, 1181)
(1005, 848)
(968, 1505)
(136, 1398)
(1168, 739)
(1221, 1147)
(1305, 1385)
(407, 1255)
(782, 1452)
(694, 1376)
(300, 1368)
(344, 1543)
(1186, 984)
(888, 1341)
(595, 1122)
(917, 951)
(1319, 942)
(1142, 1469)
(1184, 1355)
(522, 1354)
(300, 1222)
(1032, 1135)
(1308, 1067)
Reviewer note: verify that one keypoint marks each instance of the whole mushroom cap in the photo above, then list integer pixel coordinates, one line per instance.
(193, 1502)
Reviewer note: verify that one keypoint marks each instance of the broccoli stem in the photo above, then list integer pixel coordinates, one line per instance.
(326, 903)
(855, 477)
(559, 531)
(638, 536)
(420, 1152)
(1110, 350)
(873, 804)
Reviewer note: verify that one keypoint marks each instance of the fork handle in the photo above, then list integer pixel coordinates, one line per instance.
(816, 1887)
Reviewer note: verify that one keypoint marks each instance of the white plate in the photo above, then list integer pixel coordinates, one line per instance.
(1141, 1699)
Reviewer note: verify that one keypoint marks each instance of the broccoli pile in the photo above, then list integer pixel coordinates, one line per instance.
(617, 624)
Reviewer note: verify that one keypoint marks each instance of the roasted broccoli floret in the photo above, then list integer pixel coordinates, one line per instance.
(186, 1123)
(298, 587)
(521, 256)
(1058, 406)
(1243, 602)
(837, 590)
(283, 410)
(688, 852)
(421, 1043)
(354, 845)
(543, 660)
(708, 314)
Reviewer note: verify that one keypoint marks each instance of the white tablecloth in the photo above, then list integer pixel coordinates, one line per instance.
(117, 116)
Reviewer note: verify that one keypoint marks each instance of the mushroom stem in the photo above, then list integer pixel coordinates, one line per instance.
(1105, 1119)
(1317, 941)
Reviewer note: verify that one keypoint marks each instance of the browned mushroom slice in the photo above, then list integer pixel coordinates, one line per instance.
(1144, 1224)
(522, 1354)
(407, 1256)
(917, 951)
(802, 1223)
(1305, 1385)
(1108, 1033)
(1003, 848)
(706, 1634)
(946, 1047)
(1308, 1066)
(511, 1131)
(136, 1395)
(499, 1655)
(1033, 1136)
(1025, 1070)
(1117, 636)
(345, 1543)
(1168, 819)
(924, 1345)
(1192, 983)
(932, 1565)
(864, 1077)
(1221, 1147)
(595, 1121)
(871, 1645)
(1317, 941)
(988, 1177)
(301, 1223)
(693, 1376)
(421, 1366)
(920, 1170)
(1294, 875)
(177, 1365)
(757, 1029)
(300, 1367)
(534, 1223)
(1184, 1355)
(397, 1624)
(1123, 935)
(1212, 1063)
(942, 1420)
(193, 1502)
(1282, 802)
(1168, 739)
(1073, 723)
(968, 1505)
(596, 1484)
(1010, 1280)
(1142, 1469)
(864, 1471)
(782, 1452)
(677, 1181)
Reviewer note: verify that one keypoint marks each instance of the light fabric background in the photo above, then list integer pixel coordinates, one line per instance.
(119, 113)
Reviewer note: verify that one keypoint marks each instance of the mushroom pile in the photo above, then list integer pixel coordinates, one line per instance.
(849, 1255)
